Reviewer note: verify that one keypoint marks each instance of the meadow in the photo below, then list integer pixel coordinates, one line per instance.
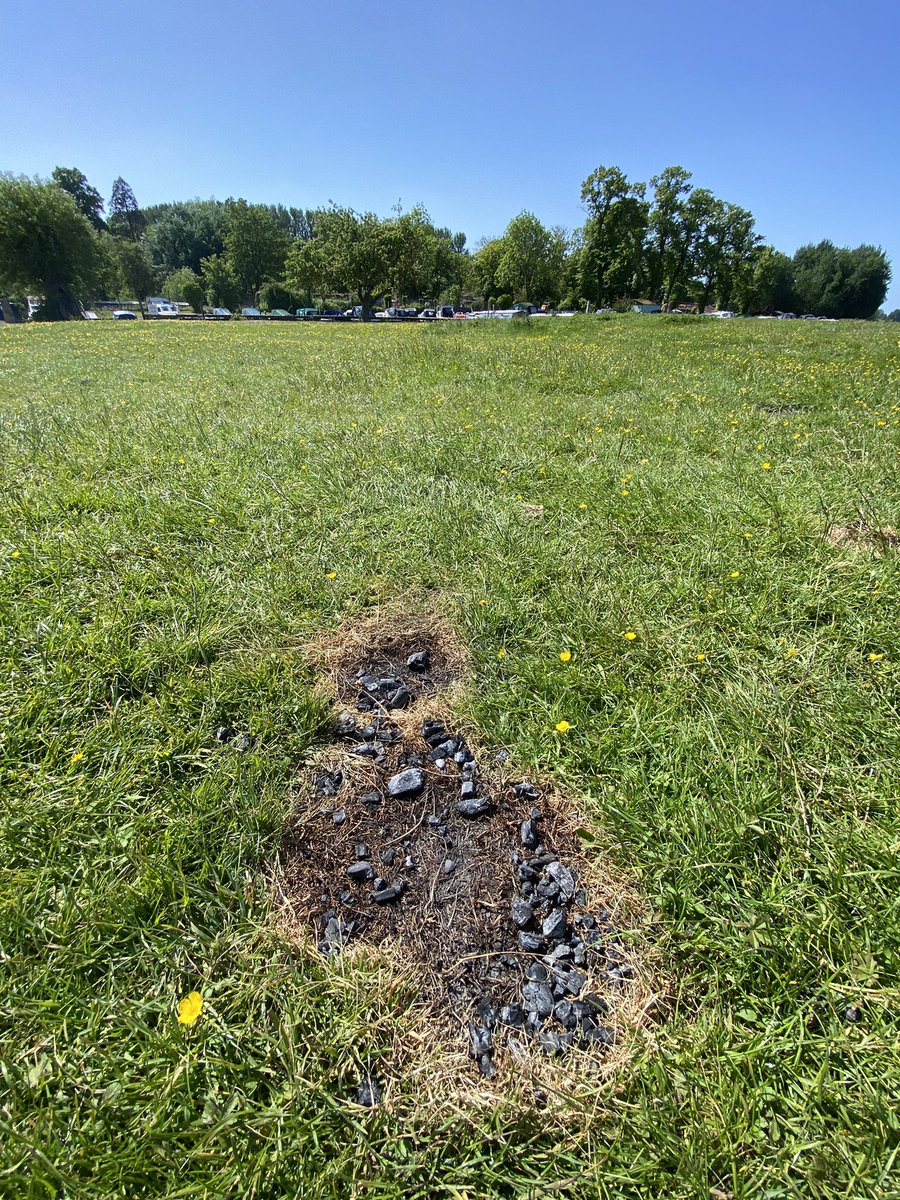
(700, 516)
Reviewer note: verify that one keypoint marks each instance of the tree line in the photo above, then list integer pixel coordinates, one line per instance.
(667, 241)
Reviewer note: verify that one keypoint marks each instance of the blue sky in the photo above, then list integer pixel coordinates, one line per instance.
(476, 108)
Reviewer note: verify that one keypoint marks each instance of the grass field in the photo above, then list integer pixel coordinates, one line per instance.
(184, 507)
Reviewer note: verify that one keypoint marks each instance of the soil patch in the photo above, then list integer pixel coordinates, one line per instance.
(407, 834)
(861, 533)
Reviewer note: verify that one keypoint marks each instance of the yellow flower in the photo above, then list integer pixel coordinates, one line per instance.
(211, 520)
(331, 574)
(792, 652)
(734, 575)
(181, 460)
(700, 657)
(565, 655)
(625, 492)
(77, 757)
(563, 726)
(582, 507)
(14, 554)
(189, 1008)
(482, 602)
(629, 636)
(873, 657)
(501, 654)
(767, 466)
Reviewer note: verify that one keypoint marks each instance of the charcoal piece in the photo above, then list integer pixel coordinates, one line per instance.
(401, 698)
(434, 821)
(339, 817)
(529, 835)
(597, 1035)
(225, 733)
(560, 953)
(564, 879)
(440, 763)
(361, 851)
(388, 894)
(555, 926)
(480, 1040)
(538, 998)
(368, 1093)
(575, 982)
(486, 1013)
(526, 791)
(556, 1043)
(366, 732)
(470, 769)
(360, 872)
(542, 860)
(562, 1012)
(522, 914)
(407, 783)
(418, 660)
(533, 1022)
(531, 943)
(537, 972)
(501, 757)
(365, 749)
(527, 874)
(434, 732)
(474, 808)
(387, 856)
(328, 783)
(486, 1066)
(512, 1015)
(549, 890)
(448, 866)
(344, 896)
(243, 743)
(345, 725)
(586, 1012)
(467, 790)
(370, 799)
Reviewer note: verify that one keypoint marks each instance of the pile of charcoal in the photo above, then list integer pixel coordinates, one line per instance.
(390, 691)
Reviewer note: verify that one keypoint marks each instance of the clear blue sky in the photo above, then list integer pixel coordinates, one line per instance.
(477, 108)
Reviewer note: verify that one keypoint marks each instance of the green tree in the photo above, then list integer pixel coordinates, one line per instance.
(218, 279)
(531, 259)
(136, 276)
(255, 244)
(185, 284)
(611, 259)
(351, 252)
(125, 218)
(88, 200)
(836, 281)
(181, 235)
(668, 234)
(46, 246)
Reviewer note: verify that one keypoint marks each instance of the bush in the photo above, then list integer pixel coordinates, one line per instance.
(185, 285)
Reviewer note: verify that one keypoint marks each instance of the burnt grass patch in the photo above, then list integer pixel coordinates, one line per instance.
(408, 837)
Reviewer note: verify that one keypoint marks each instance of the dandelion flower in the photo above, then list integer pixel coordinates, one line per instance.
(630, 636)
(625, 492)
(211, 520)
(734, 575)
(501, 653)
(77, 757)
(565, 655)
(582, 507)
(873, 657)
(563, 726)
(792, 652)
(14, 554)
(482, 602)
(331, 574)
(767, 466)
(189, 1008)
(700, 657)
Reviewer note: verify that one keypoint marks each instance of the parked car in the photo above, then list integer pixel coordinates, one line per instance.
(250, 312)
(428, 314)
(124, 314)
(159, 306)
(280, 314)
(809, 317)
(787, 316)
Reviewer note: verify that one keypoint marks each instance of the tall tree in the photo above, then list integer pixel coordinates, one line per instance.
(46, 246)
(667, 244)
(255, 244)
(531, 259)
(125, 218)
(88, 200)
(181, 235)
(222, 288)
(834, 281)
(351, 252)
(612, 254)
(136, 275)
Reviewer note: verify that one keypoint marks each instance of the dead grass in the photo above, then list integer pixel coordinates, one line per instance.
(860, 535)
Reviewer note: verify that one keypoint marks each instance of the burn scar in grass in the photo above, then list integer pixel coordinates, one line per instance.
(409, 836)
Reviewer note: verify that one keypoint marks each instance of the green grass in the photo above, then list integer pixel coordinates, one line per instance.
(174, 500)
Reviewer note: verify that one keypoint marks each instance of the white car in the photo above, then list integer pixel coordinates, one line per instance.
(124, 314)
